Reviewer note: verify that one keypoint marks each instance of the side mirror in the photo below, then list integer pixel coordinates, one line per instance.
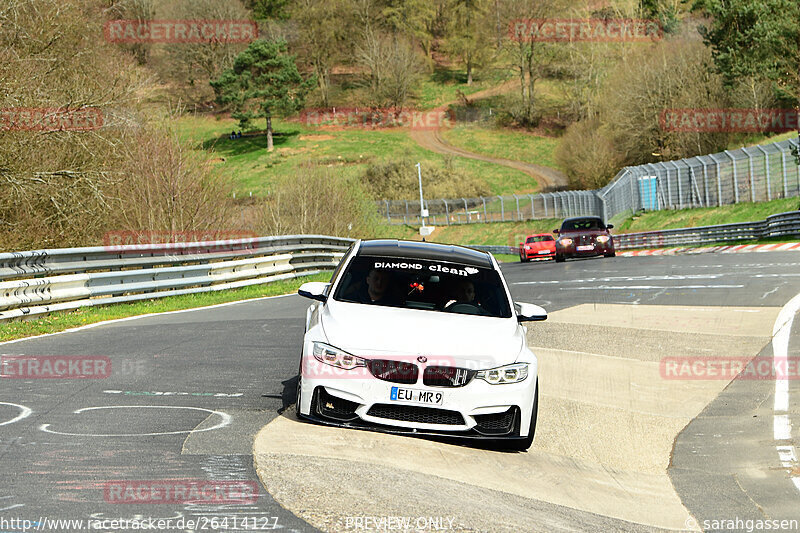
(530, 313)
(610, 226)
(555, 231)
(314, 290)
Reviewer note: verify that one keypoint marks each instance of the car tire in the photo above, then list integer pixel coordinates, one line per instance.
(560, 258)
(523, 259)
(521, 445)
(298, 394)
(612, 254)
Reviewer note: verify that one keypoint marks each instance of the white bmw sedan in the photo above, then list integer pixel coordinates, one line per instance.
(420, 338)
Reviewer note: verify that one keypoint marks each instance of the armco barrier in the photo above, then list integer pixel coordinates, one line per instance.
(42, 281)
(779, 225)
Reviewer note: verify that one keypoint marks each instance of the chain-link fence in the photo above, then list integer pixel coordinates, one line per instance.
(754, 174)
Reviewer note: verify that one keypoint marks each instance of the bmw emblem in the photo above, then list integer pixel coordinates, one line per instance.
(422, 359)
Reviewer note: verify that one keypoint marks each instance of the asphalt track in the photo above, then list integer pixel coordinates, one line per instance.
(603, 458)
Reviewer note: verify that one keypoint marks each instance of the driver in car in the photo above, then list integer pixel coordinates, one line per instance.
(376, 288)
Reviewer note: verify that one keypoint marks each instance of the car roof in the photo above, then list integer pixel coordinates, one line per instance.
(583, 218)
(425, 250)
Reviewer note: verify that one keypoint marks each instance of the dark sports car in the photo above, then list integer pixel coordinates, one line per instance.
(583, 237)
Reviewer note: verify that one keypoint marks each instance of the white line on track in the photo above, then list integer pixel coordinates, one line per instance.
(782, 424)
(649, 287)
(24, 412)
(225, 421)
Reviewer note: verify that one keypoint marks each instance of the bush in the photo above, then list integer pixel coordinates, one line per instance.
(588, 155)
(317, 201)
(397, 180)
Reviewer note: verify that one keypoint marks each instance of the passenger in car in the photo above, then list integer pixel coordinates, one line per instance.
(464, 294)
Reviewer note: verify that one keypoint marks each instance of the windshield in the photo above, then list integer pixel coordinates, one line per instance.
(583, 224)
(540, 238)
(428, 285)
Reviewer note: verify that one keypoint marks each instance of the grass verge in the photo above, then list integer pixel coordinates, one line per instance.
(63, 320)
(706, 216)
(511, 233)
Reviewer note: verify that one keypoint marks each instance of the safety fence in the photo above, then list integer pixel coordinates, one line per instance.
(42, 281)
(752, 174)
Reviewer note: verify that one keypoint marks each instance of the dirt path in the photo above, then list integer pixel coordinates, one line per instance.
(434, 141)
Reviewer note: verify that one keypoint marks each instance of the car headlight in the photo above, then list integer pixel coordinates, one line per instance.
(527, 247)
(325, 353)
(565, 242)
(504, 374)
(602, 239)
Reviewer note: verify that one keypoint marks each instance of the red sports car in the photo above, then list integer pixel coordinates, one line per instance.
(539, 246)
(584, 237)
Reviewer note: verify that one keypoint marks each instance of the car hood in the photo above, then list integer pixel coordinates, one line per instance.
(540, 245)
(460, 340)
(593, 232)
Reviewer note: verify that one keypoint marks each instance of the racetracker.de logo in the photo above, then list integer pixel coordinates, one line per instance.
(54, 367)
(727, 368)
(50, 119)
(183, 242)
(180, 491)
(180, 31)
(344, 117)
(729, 120)
(584, 30)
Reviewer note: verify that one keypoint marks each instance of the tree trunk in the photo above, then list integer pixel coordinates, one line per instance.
(323, 78)
(270, 145)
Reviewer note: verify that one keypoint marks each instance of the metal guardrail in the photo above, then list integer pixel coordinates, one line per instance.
(42, 281)
(780, 225)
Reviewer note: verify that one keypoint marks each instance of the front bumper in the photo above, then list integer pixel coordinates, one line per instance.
(477, 410)
(597, 249)
(535, 254)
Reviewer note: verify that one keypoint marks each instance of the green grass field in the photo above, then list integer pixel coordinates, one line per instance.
(706, 216)
(515, 145)
(251, 168)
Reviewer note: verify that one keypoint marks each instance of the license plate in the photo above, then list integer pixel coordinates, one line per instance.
(416, 396)
(585, 248)
(544, 251)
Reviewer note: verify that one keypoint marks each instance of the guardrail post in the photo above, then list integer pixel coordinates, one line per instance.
(388, 216)
(484, 209)
(502, 209)
(735, 179)
(766, 168)
(544, 203)
(466, 210)
(446, 211)
(533, 213)
(519, 215)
